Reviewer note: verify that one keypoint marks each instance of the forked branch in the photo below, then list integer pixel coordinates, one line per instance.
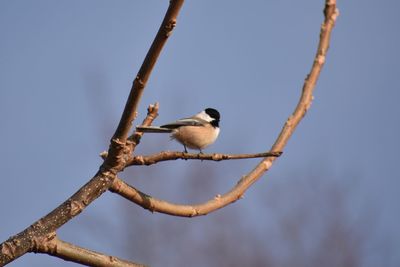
(153, 204)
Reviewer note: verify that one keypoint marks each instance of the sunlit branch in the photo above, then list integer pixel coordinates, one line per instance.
(157, 205)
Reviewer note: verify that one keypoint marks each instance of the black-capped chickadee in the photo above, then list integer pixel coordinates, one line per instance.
(196, 132)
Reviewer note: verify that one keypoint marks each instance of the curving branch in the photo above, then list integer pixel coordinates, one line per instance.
(120, 149)
(153, 204)
(148, 202)
(331, 13)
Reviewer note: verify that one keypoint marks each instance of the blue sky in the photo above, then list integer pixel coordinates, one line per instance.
(66, 68)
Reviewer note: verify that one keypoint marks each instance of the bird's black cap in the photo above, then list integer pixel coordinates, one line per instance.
(213, 113)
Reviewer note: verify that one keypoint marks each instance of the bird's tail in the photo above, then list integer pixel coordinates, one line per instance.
(152, 129)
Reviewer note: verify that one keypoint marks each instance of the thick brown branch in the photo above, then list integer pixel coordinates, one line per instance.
(173, 155)
(143, 75)
(115, 161)
(153, 204)
(69, 252)
(23, 242)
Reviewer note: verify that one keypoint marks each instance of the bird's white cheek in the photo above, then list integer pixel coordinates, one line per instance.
(204, 116)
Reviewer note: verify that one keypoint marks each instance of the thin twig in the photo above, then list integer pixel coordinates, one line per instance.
(152, 113)
(331, 13)
(118, 152)
(134, 139)
(173, 155)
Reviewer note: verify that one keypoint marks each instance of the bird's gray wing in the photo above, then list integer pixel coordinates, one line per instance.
(183, 122)
(152, 129)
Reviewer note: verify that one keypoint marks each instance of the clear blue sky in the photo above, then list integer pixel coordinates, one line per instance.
(66, 68)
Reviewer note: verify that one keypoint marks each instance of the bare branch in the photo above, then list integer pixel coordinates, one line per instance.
(153, 204)
(143, 75)
(173, 155)
(23, 242)
(69, 252)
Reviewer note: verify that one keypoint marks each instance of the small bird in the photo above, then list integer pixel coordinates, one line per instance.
(196, 132)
